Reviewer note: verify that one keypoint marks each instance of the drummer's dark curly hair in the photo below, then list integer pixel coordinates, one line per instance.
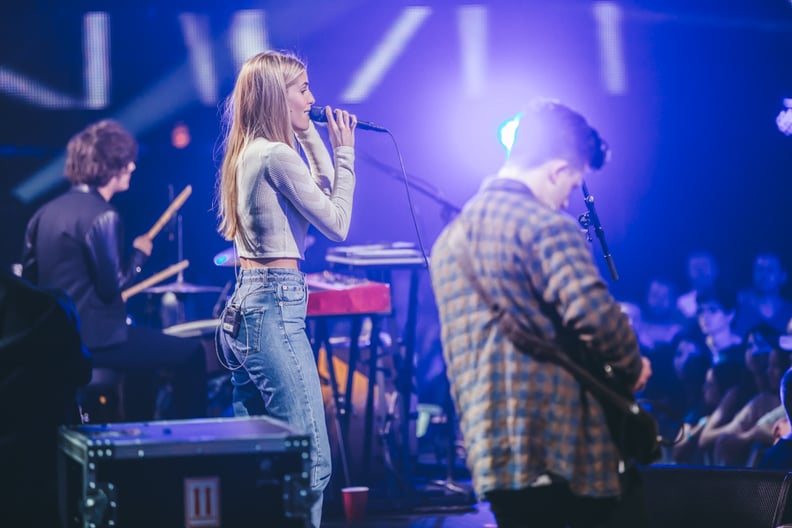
(99, 152)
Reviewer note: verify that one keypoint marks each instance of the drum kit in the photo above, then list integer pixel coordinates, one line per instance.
(201, 328)
(179, 288)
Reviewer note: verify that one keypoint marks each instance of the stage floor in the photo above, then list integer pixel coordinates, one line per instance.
(474, 516)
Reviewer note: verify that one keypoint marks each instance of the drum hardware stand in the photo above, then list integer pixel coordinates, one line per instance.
(449, 483)
(455, 494)
(179, 304)
(180, 317)
(386, 437)
(170, 313)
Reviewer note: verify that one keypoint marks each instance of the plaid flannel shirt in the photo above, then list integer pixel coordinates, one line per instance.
(521, 418)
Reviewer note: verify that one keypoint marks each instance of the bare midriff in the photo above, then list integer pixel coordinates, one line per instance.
(252, 263)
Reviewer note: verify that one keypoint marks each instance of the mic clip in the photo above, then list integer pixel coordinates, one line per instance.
(592, 220)
(585, 223)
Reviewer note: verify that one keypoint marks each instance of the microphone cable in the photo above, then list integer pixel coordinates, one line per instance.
(410, 204)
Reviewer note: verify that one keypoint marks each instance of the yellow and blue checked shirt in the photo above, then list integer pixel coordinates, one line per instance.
(521, 418)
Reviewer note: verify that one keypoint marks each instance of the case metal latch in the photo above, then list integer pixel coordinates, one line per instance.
(99, 507)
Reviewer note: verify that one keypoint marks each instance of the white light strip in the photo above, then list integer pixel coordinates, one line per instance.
(158, 103)
(472, 25)
(195, 29)
(34, 92)
(96, 53)
(161, 101)
(608, 16)
(248, 35)
(385, 54)
(42, 181)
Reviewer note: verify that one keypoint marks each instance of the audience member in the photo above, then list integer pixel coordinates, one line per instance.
(691, 361)
(714, 321)
(733, 386)
(763, 302)
(723, 393)
(660, 320)
(702, 273)
(733, 440)
(779, 456)
(674, 392)
(773, 424)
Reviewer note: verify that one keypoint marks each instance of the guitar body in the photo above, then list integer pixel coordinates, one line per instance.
(633, 429)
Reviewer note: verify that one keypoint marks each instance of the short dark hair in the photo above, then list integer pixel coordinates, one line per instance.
(722, 301)
(769, 334)
(549, 129)
(99, 152)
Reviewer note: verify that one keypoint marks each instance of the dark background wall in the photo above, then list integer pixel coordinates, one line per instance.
(697, 158)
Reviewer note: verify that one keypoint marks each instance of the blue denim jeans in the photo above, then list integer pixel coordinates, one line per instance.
(272, 364)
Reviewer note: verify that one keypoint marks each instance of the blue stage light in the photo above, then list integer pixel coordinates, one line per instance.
(508, 131)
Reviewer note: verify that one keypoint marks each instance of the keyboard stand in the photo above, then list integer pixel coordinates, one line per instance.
(380, 269)
(342, 401)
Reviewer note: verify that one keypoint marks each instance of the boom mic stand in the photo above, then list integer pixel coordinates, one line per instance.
(590, 219)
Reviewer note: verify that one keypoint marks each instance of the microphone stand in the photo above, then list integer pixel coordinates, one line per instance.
(590, 219)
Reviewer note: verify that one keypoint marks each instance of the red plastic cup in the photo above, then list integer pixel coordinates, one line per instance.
(355, 502)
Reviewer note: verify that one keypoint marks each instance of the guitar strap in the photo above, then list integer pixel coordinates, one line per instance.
(529, 343)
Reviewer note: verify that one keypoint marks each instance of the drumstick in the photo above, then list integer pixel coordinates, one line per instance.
(172, 208)
(154, 279)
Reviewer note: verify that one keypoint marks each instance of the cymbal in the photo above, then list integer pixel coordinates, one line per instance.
(227, 257)
(182, 287)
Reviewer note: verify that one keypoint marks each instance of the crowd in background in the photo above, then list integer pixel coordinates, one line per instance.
(719, 364)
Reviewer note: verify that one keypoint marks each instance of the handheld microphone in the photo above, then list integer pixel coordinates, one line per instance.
(317, 114)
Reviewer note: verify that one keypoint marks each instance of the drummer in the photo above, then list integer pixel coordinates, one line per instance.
(75, 243)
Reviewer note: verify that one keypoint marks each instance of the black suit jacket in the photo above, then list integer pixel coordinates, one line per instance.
(75, 243)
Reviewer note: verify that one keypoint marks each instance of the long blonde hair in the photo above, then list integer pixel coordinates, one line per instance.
(257, 107)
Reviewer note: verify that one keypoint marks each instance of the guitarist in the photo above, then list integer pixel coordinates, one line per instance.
(538, 445)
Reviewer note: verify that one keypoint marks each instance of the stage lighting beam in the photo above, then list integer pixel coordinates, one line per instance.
(381, 59)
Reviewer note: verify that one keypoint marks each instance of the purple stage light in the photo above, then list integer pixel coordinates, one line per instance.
(784, 118)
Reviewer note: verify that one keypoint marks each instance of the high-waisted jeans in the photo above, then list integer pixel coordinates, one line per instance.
(272, 364)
